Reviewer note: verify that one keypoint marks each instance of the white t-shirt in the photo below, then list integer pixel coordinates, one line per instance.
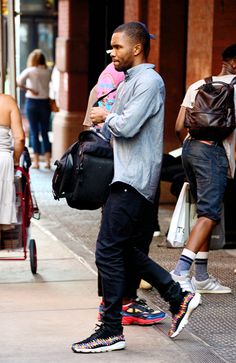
(38, 79)
(229, 143)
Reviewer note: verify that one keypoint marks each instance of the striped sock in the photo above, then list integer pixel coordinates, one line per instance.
(185, 262)
(201, 262)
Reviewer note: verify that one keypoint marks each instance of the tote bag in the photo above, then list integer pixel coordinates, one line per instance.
(183, 218)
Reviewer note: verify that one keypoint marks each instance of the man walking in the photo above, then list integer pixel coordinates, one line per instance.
(136, 124)
(206, 163)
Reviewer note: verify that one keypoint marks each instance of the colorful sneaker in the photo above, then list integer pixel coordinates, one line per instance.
(210, 286)
(103, 340)
(139, 313)
(180, 320)
(183, 280)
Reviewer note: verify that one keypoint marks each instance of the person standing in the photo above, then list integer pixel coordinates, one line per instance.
(206, 164)
(35, 81)
(136, 124)
(12, 138)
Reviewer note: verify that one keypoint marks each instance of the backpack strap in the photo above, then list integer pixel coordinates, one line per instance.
(208, 79)
(100, 98)
(233, 82)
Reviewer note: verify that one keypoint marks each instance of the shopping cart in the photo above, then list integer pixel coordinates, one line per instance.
(17, 241)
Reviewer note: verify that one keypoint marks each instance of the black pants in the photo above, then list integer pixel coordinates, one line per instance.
(142, 241)
(126, 223)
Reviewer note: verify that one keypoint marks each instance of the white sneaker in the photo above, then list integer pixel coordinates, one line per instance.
(210, 286)
(183, 280)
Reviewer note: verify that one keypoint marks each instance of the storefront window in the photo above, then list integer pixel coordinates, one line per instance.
(24, 44)
(45, 40)
(35, 6)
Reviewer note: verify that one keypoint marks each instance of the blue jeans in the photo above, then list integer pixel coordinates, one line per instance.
(127, 222)
(206, 170)
(38, 114)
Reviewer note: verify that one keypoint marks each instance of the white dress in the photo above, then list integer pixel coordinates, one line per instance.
(7, 187)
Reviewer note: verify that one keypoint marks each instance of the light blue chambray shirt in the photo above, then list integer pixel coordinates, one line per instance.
(136, 122)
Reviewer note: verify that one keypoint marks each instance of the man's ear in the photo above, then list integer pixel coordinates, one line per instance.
(137, 49)
(232, 62)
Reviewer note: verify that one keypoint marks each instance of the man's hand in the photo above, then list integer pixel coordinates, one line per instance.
(98, 115)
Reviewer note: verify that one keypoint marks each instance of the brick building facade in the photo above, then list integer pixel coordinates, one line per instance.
(190, 36)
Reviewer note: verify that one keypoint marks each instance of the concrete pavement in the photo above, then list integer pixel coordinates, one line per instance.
(42, 314)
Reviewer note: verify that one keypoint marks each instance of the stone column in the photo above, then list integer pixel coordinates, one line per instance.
(154, 27)
(132, 10)
(200, 40)
(72, 63)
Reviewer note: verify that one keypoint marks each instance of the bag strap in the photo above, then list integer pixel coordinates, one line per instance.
(208, 79)
(101, 98)
(233, 82)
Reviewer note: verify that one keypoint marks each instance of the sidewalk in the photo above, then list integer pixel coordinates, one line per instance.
(42, 315)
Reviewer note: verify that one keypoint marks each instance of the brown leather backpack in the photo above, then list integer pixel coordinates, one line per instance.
(213, 115)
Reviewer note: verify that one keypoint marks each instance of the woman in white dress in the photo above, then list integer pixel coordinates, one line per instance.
(12, 141)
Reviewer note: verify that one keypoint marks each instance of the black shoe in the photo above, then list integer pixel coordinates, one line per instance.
(103, 340)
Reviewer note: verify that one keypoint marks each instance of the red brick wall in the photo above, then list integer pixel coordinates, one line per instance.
(72, 54)
(132, 10)
(200, 38)
(172, 62)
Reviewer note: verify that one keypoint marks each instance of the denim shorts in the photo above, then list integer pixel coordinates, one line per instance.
(206, 169)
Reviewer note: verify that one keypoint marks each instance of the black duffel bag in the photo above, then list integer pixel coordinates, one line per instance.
(84, 172)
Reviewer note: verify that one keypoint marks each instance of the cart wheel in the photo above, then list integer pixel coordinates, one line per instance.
(33, 256)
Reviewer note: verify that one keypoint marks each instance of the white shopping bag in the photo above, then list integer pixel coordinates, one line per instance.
(183, 218)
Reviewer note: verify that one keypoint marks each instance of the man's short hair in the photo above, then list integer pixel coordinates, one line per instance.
(229, 53)
(138, 32)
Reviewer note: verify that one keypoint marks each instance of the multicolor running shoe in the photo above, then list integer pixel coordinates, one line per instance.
(139, 313)
(180, 320)
(103, 340)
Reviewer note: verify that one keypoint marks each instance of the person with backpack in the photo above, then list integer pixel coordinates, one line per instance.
(208, 114)
(136, 124)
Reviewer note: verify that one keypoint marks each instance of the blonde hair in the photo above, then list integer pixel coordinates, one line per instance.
(36, 58)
